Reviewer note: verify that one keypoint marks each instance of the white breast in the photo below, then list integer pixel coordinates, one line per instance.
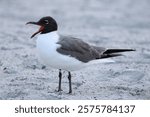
(46, 48)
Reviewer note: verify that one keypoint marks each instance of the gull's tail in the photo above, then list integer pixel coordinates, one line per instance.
(114, 52)
(106, 54)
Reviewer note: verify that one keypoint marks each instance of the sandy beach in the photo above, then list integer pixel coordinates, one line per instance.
(106, 23)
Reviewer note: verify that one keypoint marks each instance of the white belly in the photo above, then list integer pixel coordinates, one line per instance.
(46, 48)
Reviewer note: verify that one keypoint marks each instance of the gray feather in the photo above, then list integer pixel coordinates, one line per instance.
(78, 49)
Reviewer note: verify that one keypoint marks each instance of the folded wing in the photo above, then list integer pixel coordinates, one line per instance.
(82, 51)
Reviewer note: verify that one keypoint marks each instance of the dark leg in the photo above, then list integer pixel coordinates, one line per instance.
(69, 78)
(60, 77)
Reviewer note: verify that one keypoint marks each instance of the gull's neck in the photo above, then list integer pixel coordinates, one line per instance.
(53, 34)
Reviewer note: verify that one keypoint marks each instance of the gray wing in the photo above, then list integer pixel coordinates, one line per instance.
(80, 50)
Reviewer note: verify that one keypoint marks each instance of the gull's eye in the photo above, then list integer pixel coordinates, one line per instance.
(46, 22)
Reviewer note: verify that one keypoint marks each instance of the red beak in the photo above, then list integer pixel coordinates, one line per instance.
(40, 29)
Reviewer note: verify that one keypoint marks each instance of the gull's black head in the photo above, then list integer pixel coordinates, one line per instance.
(47, 24)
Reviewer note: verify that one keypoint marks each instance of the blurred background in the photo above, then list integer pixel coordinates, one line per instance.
(108, 23)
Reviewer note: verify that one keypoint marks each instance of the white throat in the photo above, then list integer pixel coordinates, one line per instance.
(50, 35)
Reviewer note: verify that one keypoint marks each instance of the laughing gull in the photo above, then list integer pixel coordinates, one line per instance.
(68, 53)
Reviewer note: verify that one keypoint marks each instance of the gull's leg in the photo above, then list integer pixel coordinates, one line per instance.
(60, 77)
(69, 78)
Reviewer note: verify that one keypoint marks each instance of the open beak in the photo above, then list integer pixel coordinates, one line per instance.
(40, 29)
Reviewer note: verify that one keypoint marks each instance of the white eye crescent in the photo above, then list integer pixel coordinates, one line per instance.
(46, 22)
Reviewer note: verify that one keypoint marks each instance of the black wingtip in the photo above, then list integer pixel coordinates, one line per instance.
(129, 49)
(109, 51)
